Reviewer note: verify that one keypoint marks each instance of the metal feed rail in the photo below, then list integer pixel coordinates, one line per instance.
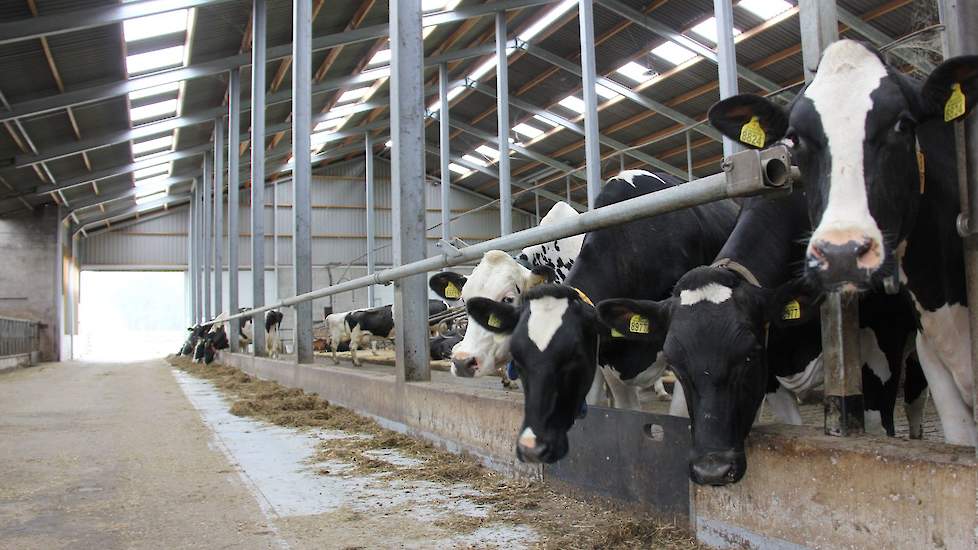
(745, 174)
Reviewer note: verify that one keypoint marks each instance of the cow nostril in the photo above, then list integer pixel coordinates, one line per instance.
(863, 248)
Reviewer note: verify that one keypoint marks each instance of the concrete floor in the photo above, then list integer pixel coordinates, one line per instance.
(138, 455)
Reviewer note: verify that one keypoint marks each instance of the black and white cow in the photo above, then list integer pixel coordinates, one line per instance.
(727, 359)
(503, 278)
(246, 330)
(273, 342)
(196, 332)
(441, 345)
(876, 151)
(369, 324)
(214, 339)
(555, 331)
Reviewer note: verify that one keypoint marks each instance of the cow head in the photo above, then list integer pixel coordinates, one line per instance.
(553, 343)
(500, 278)
(852, 132)
(715, 327)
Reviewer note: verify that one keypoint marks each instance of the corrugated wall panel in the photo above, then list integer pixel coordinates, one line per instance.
(338, 225)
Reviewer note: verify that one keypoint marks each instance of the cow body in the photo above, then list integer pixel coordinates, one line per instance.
(559, 255)
(555, 332)
(273, 341)
(881, 210)
(367, 325)
(441, 345)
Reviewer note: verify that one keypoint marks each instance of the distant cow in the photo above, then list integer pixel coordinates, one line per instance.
(369, 324)
(190, 343)
(246, 330)
(214, 339)
(273, 322)
(441, 345)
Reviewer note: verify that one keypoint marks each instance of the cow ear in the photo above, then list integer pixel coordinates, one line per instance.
(749, 119)
(794, 303)
(447, 284)
(636, 319)
(951, 90)
(492, 315)
(541, 275)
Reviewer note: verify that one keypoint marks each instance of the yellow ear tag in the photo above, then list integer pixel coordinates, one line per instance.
(451, 291)
(752, 133)
(494, 321)
(616, 334)
(638, 324)
(792, 311)
(955, 105)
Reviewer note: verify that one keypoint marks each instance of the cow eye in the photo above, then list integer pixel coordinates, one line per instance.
(904, 125)
(508, 300)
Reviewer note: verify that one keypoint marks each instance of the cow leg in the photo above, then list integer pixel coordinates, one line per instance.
(660, 390)
(914, 397)
(784, 406)
(623, 396)
(678, 405)
(598, 394)
(956, 419)
(354, 344)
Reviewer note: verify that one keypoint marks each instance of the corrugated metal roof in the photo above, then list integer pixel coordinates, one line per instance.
(95, 56)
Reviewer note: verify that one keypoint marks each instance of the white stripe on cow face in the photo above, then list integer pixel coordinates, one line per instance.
(841, 93)
(713, 292)
(546, 316)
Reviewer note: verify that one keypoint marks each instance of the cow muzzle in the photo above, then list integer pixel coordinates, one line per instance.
(844, 257)
(464, 366)
(717, 468)
(534, 450)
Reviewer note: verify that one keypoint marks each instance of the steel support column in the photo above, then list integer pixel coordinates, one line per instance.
(961, 38)
(199, 242)
(302, 174)
(258, 171)
(840, 316)
(371, 223)
(502, 122)
(234, 205)
(726, 61)
(407, 189)
(219, 216)
(589, 75)
(446, 152)
(192, 255)
(208, 216)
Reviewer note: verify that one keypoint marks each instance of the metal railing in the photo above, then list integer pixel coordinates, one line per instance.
(19, 336)
(746, 173)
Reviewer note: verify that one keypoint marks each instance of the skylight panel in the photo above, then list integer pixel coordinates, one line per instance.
(458, 169)
(147, 146)
(475, 160)
(673, 53)
(353, 95)
(765, 9)
(635, 72)
(487, 152)
(379, 58)
(152, 180)
(153, 110)
(438, 5)
(547, 20)
(481, 70)
(155, 90)
(572, 103)
(151, 171)
(546, 121)
(604, 92)
(157, 59)
(708, 30)
(154, 25)
(527, 130)
(150, 197)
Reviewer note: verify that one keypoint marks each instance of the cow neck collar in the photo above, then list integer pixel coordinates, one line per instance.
(738, 268)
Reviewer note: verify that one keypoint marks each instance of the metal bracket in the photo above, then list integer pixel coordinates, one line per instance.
(753, 171)
(448, 248)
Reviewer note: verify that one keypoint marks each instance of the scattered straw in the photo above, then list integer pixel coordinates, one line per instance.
(564, 522)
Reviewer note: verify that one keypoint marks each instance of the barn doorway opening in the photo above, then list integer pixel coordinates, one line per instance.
(130, 315)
